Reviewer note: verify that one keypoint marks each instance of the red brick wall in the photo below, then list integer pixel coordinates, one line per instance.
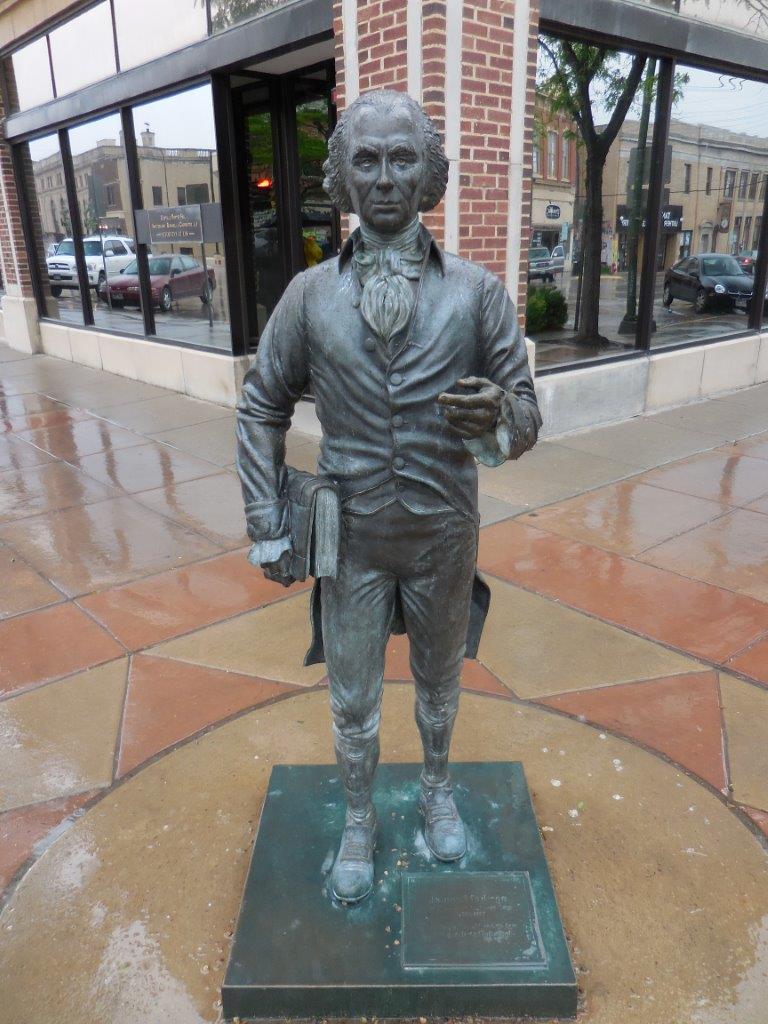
(485, 114)
(11, 233)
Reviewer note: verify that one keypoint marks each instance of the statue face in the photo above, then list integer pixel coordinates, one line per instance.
(386, 169)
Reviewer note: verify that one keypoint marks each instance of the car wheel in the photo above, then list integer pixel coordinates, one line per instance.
(55, 291)
(166, 299)
(701, 303)
(205, 296)
(667, 298)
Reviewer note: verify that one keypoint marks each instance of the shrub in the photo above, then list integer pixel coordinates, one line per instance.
(546, 308)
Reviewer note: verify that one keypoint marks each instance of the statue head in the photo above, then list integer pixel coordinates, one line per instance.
(385, 161)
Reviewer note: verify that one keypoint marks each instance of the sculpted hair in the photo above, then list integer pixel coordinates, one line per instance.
(436, 162)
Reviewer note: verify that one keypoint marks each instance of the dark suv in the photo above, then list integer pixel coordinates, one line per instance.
(540, 266)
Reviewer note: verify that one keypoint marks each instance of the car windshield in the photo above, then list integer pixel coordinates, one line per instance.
(66, 248)
(539, 254)
(132, 268)
(160, 265)
(721, 266)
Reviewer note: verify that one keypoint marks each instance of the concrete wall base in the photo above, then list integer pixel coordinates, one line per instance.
(572, 400)
(21, 326)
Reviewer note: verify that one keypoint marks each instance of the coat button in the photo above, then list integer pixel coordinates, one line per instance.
(369, 344)
(397, 421)
(399, 462)
(396, 378)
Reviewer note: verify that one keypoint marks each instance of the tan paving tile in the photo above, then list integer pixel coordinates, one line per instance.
(549, 473)
(95, 546)
(144, 467)
(212, 506)
(213, 440)
(170, 603)
(152, 415)
(22, 589)
(147, 884)
(78, 439)
(49, 488)
(730, 552)
(640, 442)
(745, 707)
(539, 647)
(719, 475)
(50, 643)
(728, 420)
(756, 447)
(626, 517)
(16, 454)
(269, 643)
(60, 739)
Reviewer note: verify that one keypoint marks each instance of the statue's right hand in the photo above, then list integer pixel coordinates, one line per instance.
(280, 571)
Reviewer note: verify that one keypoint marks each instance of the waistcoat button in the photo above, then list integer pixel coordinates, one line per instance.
(397, 421)
(399, 463)
(369, 344)
(396, 378)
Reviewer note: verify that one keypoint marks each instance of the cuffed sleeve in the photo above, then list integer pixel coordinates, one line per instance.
(273, 384)
(503, 359)
(265, 551)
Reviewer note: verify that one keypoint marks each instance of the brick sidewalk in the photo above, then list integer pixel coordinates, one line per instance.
(629, 569)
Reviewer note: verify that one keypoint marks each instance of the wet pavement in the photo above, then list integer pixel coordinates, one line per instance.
(149, 679)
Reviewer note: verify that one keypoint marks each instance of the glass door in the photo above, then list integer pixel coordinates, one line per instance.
(287, 220)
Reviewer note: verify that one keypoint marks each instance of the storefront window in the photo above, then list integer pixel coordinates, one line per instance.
(226, 13)
(106, 216)
(178, 167)
(83, 49)
(52, 229)
(708, 239)
(313, 128)
(141, 38)
(28, 76)
(582, 268)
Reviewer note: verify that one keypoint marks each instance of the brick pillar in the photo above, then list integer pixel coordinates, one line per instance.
(466, 52)
(20, 318)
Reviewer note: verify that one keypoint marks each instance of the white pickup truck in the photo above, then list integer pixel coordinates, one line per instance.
(101, 261)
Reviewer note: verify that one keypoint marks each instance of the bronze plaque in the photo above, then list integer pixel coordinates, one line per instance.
(471, 919)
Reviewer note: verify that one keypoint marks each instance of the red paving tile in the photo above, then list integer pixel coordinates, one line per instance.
(695, 617)
(160, 607)
(22, 829)
(760, 818)
(49, 644)
(678, 716)
(753, 662)
(474, 676)
(169, 700)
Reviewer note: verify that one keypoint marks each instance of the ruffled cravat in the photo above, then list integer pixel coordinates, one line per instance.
(386, 264)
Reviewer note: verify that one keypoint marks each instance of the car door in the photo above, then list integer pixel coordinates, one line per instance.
(176, 279)
(193, 276)
(691, 279)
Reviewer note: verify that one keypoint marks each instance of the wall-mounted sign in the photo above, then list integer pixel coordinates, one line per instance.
(552, 212)
(170, 225)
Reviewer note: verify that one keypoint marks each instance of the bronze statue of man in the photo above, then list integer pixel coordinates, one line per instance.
(418, 369)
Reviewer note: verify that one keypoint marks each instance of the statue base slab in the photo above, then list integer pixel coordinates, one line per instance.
(482, 936)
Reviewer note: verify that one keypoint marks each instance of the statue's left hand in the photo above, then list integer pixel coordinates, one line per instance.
(474, 414)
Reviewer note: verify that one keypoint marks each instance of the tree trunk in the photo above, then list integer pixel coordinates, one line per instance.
(636, 204)
(592, 245)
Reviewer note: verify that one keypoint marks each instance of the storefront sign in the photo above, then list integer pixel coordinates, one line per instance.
(552, 212)
(170, 225)
(671, 219)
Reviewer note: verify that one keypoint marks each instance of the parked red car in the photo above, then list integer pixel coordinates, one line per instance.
(171, 277)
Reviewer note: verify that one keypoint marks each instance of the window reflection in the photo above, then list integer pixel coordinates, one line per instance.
(103, 197)
(83, 49)
(28, 76)
(178, 166)
(707, 250)
(587, 199)
(225, 13)
(52, 229)
(313, 128)
(749, 16)
(183, 22)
